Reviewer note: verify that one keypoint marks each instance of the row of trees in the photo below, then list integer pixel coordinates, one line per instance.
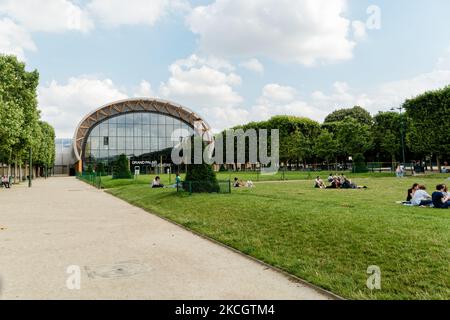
(20, 126)
(422, 132)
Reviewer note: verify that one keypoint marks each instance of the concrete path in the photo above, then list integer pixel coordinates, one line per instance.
(120, 251)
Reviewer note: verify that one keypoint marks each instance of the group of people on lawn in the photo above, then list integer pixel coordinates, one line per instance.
(418, 196)
(156, 183)
(336, 182)
(241, 184)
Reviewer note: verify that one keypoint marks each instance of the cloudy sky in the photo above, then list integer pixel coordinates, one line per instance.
(232, 61)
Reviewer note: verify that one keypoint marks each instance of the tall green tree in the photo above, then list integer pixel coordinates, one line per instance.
(326, 147)
(429, 123)
(20, 127)
(386, 133)
(353, 137)
(44, 154)
(297, 136)
(18, 90)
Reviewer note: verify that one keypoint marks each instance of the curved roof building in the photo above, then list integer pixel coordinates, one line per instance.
(143, 129)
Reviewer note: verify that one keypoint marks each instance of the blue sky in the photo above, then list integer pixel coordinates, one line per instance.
(231, 61)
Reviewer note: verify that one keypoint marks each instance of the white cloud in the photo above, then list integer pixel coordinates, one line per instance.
(393, 94)
(305, 32)
(114, 13)
(383, 97)
(359, 30)
(278, 93)
(283, 100)
(341, 96)
(144, 90)
(207, 86)
(64, 105)
(253, 65)
(47, 16)
(14, 39)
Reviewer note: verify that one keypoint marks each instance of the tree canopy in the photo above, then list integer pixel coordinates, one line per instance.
(358, 113)
(353, 132)
(429, 123)
(20, 127)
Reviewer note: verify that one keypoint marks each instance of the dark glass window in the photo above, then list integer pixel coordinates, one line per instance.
(133, 134)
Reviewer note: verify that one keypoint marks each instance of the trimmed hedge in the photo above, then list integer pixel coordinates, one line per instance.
(201, 178)
(121, 169)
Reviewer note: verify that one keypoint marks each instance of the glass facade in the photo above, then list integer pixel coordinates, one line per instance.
(138, 135)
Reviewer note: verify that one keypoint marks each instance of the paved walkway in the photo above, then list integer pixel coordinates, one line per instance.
(122, 252)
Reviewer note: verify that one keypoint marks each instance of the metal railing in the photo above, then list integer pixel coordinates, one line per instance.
(221, 186)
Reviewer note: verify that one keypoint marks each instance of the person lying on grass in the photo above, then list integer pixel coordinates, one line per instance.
(348, 184)
(421, 197)
(440, 200)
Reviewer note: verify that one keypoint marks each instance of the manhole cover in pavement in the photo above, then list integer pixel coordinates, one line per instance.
(118, 270)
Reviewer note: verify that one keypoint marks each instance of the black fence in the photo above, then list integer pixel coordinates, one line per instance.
(221, 186)
(93, 179)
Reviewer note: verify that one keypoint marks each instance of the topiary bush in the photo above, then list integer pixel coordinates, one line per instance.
(201, 178)
(121, 169)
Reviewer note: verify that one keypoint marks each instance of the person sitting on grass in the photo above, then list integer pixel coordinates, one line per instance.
(446, 193)
(178, 182)
(157, 183)
(440, 200)
(411, 192)
(236, 183)
(421, 197)
(330, 178)
(346, 183)
(319, 183)
(335, 184)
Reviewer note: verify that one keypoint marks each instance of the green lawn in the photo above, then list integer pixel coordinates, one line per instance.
(109, 183)
(327, 237)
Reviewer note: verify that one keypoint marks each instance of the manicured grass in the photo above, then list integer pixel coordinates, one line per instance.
(327, 237)
(109, 183)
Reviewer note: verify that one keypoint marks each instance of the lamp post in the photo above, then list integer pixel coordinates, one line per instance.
(402, 131)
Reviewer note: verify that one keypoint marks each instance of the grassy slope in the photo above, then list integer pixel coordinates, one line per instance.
(328, 237)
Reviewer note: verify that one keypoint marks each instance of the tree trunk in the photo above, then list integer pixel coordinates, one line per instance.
(15, 171)
(438, 161)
